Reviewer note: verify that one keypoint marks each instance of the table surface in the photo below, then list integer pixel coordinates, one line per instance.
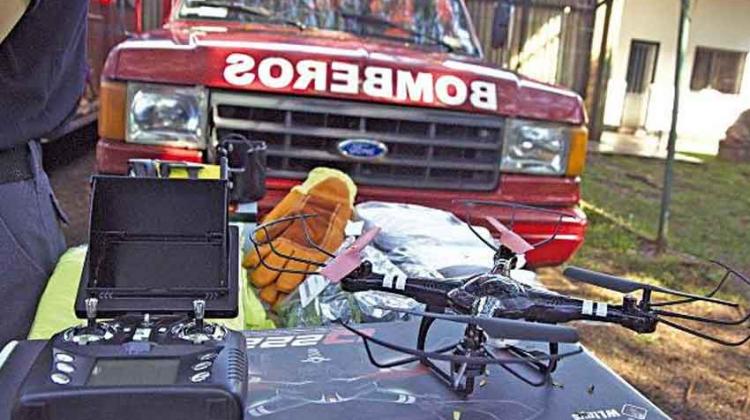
(324, 373)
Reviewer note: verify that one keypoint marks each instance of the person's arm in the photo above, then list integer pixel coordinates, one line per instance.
(10, 13)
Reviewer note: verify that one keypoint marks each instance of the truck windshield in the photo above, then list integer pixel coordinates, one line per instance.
(436, 23)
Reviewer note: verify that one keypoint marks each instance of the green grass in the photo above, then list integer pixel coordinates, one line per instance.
(710, 219)
(710, 216)
(710, 211)
(612, 249)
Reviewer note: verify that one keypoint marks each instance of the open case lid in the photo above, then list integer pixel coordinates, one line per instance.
(156, 245)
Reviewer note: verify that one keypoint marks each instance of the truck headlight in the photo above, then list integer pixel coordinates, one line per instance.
(160, 114)
(534, 147)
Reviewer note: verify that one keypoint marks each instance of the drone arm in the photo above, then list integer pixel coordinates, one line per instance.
(428, 291)
(552, 308)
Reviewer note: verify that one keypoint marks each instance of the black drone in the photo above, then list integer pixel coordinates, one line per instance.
(493, 305)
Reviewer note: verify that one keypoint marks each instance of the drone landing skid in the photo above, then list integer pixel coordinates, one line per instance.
(461, 377)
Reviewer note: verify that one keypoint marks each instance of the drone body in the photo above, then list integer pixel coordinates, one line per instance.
(498, 296)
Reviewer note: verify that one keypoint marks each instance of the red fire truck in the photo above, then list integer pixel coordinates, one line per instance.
(393, 92)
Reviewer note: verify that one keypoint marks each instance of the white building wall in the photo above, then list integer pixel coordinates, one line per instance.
(715, 23)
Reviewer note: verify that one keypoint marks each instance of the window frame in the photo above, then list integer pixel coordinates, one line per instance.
(699, 82)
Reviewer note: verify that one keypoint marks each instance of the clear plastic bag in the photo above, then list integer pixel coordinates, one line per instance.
(427, 242)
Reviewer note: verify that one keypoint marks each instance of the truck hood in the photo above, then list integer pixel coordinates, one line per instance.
(286, 60)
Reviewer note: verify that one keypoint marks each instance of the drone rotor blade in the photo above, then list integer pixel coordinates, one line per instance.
(508, 328)
(622, 285)
(510, 239)
(606, 281)
(531, 331)
(349, 259)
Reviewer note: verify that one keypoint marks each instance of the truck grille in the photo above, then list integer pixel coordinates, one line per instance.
(426, 148)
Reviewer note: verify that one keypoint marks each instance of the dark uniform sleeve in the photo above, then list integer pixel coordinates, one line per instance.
(33, 5)
(42, 69)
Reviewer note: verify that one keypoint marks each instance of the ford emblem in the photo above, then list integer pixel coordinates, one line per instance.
(364, 149)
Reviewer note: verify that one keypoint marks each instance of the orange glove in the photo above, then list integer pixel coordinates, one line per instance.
(329, 195)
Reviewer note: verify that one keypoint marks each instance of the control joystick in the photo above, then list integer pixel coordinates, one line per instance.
(92, 331)
(198, 331)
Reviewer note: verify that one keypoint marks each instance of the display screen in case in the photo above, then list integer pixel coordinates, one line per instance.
(130, 372)
(156, 245)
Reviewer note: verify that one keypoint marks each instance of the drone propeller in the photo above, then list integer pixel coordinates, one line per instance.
(623, 285)
(510, 239)
(507, 328)
(349, 259)
(512, 212)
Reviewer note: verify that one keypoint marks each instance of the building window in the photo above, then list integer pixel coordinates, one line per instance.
(718, 69)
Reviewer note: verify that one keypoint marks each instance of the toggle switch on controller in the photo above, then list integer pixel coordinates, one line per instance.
(91, 304)
(199, 311)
